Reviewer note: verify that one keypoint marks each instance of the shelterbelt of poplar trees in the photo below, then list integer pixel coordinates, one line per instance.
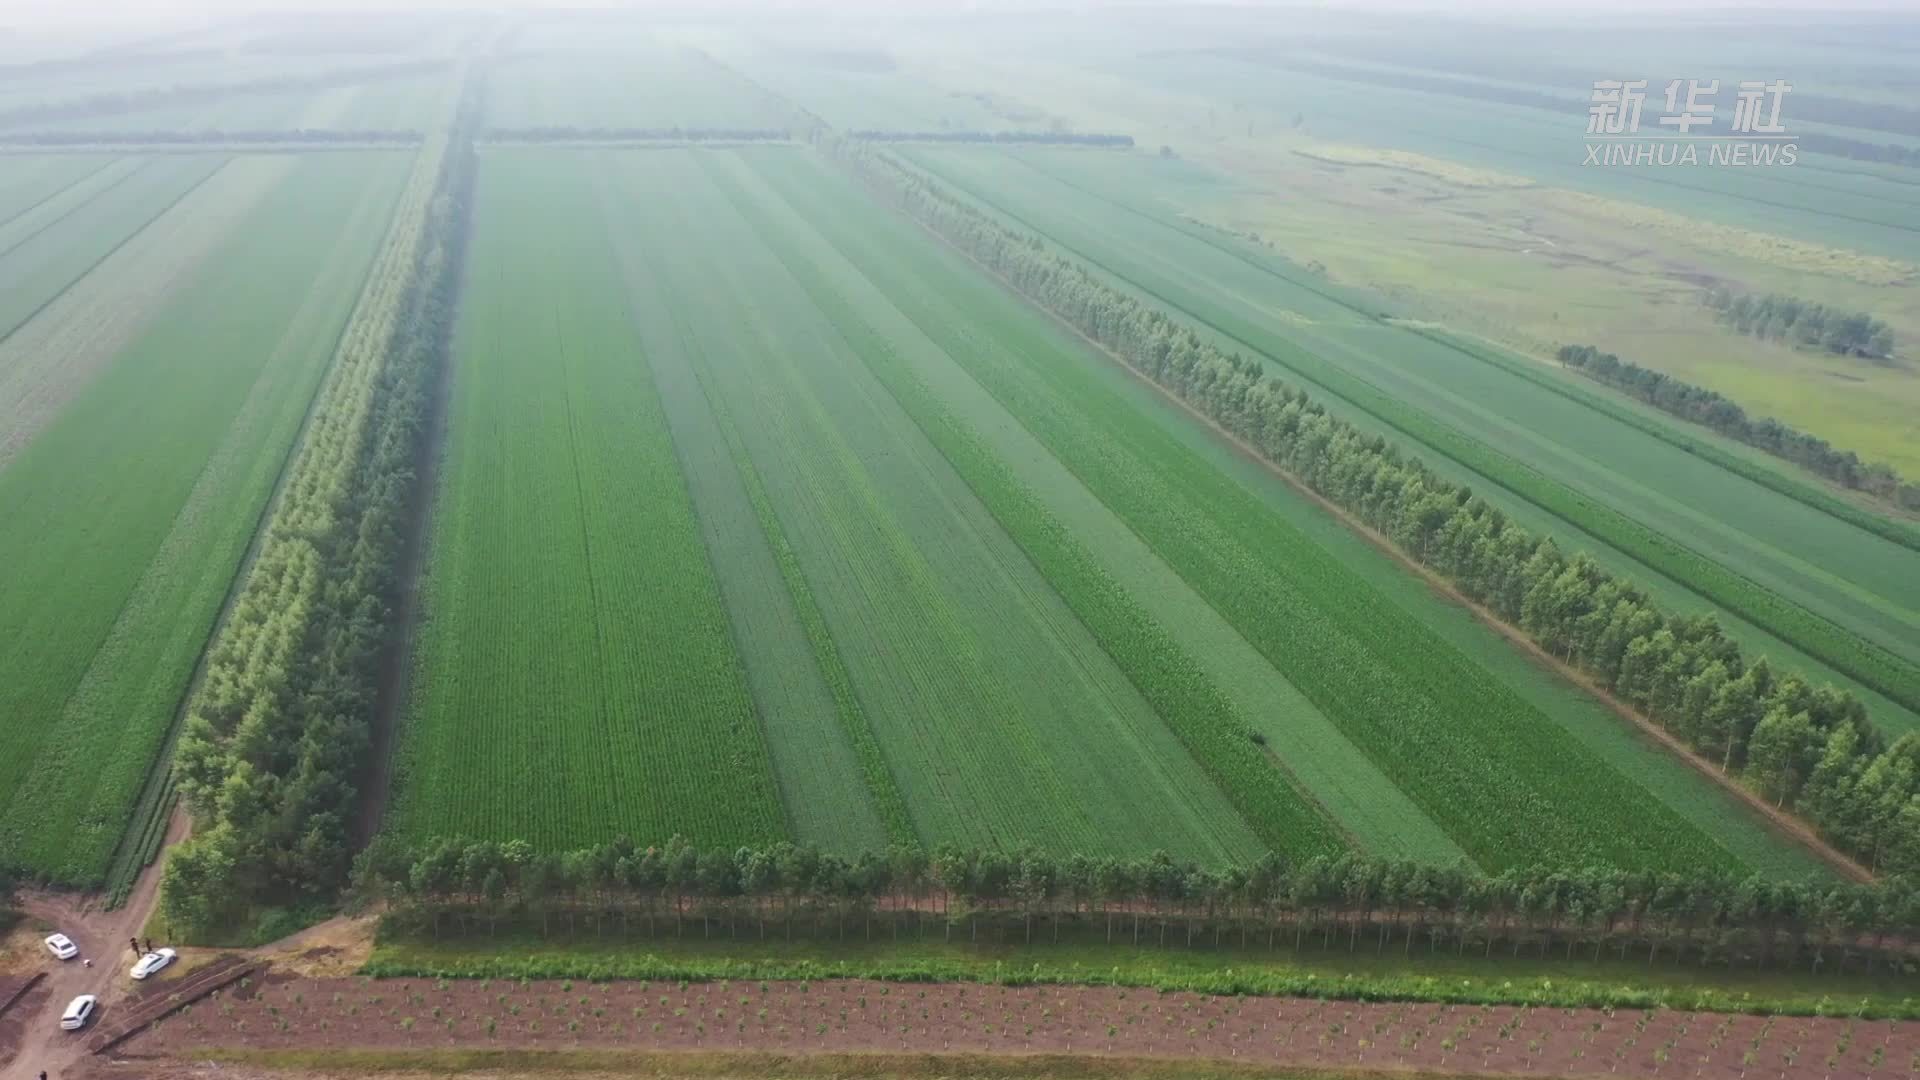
(449, 884)
(277, 736)
(1806, 747)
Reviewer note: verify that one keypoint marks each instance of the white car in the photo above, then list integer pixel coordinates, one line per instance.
(152, 962)
(62, 947)
(79, 1011)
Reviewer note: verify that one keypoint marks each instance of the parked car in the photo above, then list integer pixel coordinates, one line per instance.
(79, 1011)
(62, 947)
(152, 962)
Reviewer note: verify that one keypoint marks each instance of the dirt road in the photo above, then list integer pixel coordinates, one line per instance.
(102, 937)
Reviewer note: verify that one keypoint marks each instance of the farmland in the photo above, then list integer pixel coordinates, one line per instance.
(136, 493)
(1589, 472)
(904, 479)
(973, 444)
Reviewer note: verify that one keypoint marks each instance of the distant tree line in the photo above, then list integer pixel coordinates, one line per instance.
(1805, 747)
(1042, 138)
(455, 885)
(1802, 322)
(564, 133)
(125, 101)
(212, 136)
(275, 740)
(1710, 409)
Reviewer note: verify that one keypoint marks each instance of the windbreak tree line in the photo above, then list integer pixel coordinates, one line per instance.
(1710, 409)
(1795, 321)
(568, 133)
(1041, 138)
(470, 886)
(1805, 747)
(276, 739)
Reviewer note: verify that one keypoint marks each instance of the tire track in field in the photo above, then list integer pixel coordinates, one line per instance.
(78, 206)
(608, 783)
(59, 191)
(33, 375)
(7, 334)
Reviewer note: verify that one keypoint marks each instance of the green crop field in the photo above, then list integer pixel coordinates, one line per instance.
(942, 573)
(137, 490)
(1840, 597)
(1013, 453)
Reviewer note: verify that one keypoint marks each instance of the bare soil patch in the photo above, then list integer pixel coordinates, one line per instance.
(291, 1014)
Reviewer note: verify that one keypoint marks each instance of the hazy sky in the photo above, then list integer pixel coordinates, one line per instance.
(147, 14)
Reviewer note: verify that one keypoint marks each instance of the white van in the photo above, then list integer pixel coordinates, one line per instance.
(79, 1011)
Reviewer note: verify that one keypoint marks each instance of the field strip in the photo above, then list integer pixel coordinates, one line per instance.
(834, 784)
(515, 733)
(994, 642)
(1795, 578)
(1813, 633)
(1134, 744)
(888, 595)
(1785, 824)
(1201, 718)
(56, 354)
(1331, 770)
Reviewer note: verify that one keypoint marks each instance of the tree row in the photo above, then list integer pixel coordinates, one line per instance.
(454, 884)
(1711, 409)
(1794, 321)
(276, 739)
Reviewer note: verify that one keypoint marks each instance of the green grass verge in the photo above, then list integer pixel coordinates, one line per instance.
(1084, 957)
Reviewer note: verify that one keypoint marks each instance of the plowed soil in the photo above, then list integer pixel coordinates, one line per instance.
(854, 1016)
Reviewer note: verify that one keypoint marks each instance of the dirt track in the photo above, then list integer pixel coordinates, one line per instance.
(855, 1016)
(102, 937)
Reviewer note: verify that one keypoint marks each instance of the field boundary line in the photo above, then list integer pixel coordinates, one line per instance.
(1780, 820)
(1826, 634)
(59, 191)
(84, 202)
